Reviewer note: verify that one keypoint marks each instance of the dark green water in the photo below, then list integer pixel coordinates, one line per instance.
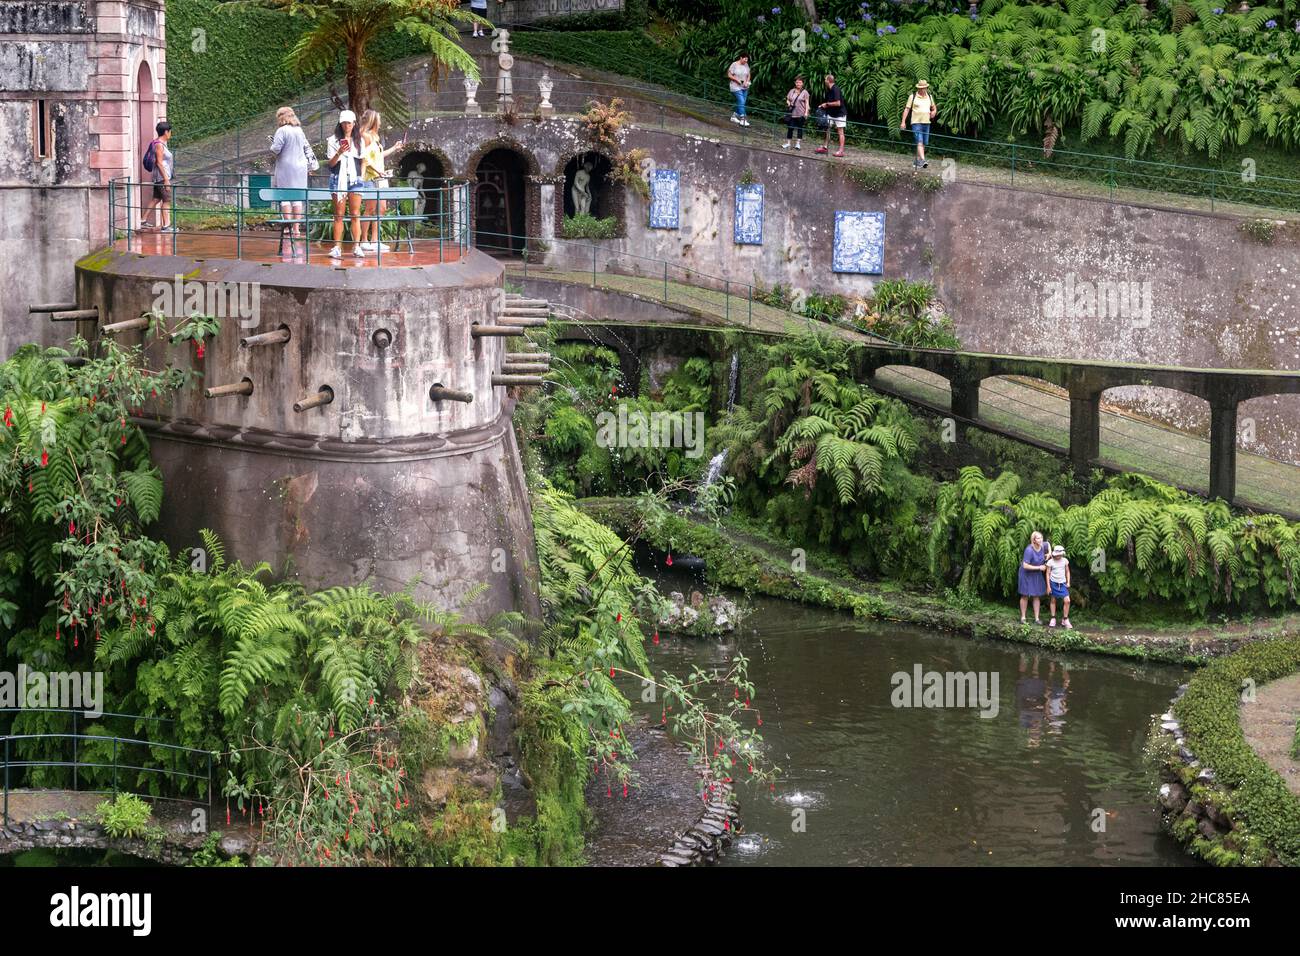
(888, 786)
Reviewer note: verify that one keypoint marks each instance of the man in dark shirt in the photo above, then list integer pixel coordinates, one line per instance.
(835, 111)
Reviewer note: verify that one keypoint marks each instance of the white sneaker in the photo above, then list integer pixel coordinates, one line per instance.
(786, 144)
(336, 253)
(380, 248)
(798, 144)
(366, 246)
(736, 119)
(1068, 625)
(744, 122)
(1052, 623)
(358, 252)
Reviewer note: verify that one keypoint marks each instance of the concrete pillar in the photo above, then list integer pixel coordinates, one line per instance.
(1223, 450)
(1085, 430)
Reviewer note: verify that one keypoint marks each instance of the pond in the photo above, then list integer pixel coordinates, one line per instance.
(1053, 776)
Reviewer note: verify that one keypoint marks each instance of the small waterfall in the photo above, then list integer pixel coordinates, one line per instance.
(731, 384)
(716, 464)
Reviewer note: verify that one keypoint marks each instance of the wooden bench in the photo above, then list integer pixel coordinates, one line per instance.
(392, 194)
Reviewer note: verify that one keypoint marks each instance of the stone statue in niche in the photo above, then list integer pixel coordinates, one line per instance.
(471, 90)
(581, 192)
(415, 180)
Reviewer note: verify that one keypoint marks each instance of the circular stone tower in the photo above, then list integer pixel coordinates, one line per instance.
(346, 429)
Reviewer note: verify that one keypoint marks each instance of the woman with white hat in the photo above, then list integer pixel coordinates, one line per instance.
(922, 107)
(344, 152)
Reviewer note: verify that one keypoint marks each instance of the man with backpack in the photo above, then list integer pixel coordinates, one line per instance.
(158, 162)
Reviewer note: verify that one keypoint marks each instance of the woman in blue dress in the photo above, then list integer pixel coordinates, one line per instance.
(1033, 574)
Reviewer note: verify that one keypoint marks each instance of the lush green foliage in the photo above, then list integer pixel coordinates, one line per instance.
(1136, 540)
(825, 460)
(125, 815)
(587, 226)
(598, 610)
(578, 419)
(77, 488)
(1259, 797)
(1185, 72)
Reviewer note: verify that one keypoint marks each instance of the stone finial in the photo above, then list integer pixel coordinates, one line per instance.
(471, 90)
(544, 87)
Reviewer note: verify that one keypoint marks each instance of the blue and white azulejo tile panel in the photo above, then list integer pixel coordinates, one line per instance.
(665, 204)
(859, 244)
(749, 214)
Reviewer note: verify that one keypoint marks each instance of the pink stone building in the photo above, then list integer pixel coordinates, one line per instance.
(82, 83)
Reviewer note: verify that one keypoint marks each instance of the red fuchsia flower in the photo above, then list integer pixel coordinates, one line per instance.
(199, 351)
(9, 417)
(45, 457)
(669, 562)
(656, 637)
(611, 671)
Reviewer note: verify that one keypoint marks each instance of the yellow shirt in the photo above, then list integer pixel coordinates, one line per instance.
(372, 161)
(922, 108)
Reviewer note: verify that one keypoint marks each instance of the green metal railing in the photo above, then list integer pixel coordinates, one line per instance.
(220, 204)
(125, 755)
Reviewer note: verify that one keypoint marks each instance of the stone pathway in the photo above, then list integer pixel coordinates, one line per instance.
(1269, 725)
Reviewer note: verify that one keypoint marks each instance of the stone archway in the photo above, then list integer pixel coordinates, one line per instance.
(145, 116)
(501, 200)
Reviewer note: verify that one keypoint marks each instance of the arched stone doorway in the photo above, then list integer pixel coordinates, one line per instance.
(501, 202)
(145, 121)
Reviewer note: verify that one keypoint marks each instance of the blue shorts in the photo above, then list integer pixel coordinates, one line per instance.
(355, 186)
(1060, 590)
(922, 133)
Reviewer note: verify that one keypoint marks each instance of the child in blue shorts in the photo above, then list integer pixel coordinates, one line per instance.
(1058, 582)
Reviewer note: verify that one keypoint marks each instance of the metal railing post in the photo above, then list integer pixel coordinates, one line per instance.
(1213, 184)
(751, 307)
(114, 765)
(6, 810)
(727, 299)
(75, 755)
(665, 282)
(593, 265)
(172, 219)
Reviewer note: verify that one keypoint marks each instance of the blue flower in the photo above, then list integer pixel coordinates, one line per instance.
(853, 37)
(891, 29)
(1271, 25)
(1217, 10)
(776, 11)
(880, 33)
(761, 18)
(866, 18)
(840, 23)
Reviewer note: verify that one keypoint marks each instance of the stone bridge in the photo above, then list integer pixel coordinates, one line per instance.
(1084, 381)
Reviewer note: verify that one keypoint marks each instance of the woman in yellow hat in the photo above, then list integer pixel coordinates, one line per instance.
(922, 107)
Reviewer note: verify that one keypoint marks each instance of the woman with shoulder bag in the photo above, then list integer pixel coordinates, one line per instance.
(796, 113)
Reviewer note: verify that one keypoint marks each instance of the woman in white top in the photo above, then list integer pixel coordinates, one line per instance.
(344, 153)
(294, 160)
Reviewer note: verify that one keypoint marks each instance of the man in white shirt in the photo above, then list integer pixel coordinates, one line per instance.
(738, 74)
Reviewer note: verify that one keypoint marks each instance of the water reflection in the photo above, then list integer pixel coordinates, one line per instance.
(1053, 776)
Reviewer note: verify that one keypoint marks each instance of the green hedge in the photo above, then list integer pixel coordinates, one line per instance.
(1259, 798)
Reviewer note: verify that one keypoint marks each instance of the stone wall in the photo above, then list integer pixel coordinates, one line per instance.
(383, 484)
(1217, 297)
